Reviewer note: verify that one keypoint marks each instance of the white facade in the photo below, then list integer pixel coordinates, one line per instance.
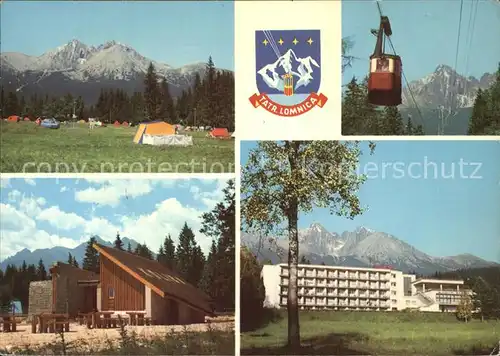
(356, 288)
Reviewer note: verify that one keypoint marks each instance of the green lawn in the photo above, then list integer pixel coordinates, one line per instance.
(376, 333)
(29, 148)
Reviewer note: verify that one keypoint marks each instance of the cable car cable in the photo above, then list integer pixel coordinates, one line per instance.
(403, 74)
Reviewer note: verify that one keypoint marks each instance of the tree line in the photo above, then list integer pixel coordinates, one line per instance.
(485, 119)
(359, 116)
(15, 282)
(208, 102)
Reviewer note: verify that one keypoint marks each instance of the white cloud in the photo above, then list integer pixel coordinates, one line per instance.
(31, 206)
(14, 196)
(30, 181)
(112, 191)
(19, 228)
(63, 189)
(18, 231)
(4, 182)
(168, 218)
(209, 198)
(60, 219)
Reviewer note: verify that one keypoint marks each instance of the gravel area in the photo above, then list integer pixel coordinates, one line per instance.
(23, 338)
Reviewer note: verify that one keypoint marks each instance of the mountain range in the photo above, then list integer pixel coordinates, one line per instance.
(84, 70)
(57, 253)
(288, 63)
(360, 248)
(438, 93)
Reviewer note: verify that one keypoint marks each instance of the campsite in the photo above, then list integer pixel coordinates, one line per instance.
(75, 148)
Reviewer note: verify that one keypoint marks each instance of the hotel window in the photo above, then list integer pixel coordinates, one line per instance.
(393, 284)
(111, 293)
(393, 292)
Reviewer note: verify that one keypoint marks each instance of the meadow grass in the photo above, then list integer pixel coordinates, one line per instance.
(376, 333)
(28, 148)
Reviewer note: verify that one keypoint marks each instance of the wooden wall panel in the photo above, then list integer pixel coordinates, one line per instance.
(129, 293)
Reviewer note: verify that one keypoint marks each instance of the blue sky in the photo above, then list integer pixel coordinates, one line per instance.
(43, 212)
(438, 215)
(425, 35)
(176, 33)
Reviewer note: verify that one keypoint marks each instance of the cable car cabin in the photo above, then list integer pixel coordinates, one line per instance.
(384, 82)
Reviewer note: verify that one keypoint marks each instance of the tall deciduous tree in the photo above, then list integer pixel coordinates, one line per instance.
(282, 179)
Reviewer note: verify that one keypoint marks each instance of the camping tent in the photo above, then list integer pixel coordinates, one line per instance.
(27, 119)
(116, 123)
(160, 133)
(13, 118)
(125, 124)
(81, 121)
(219, 133)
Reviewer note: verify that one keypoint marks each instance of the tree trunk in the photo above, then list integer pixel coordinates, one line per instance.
(293, 260)
(293, 253)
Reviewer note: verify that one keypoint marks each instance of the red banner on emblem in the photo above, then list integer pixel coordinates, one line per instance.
(273, 107)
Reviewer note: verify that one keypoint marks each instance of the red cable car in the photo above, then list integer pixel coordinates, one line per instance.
(384, 82)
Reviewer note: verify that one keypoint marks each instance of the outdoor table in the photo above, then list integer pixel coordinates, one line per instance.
(52, 322)
(103, 319)
(9, 323)
(136, 317)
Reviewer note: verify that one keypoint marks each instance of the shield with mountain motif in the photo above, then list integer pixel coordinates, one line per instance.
(288, 71)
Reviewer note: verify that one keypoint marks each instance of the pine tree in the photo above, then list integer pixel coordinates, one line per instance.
(129, 247)
(167, 109)
(151, 94)
(391, 122)
(143, 251)
(188, 258)
(118, 242)
(91, 258)
(218, 278)
(169, 252)
(409, 127)
(41, 271)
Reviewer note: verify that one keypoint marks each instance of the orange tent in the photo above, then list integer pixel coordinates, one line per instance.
(116, 123)
(220, 133)
(13, 118)
(125, 124)
(158, 128)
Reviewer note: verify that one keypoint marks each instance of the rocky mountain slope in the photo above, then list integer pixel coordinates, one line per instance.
(360, 248)
(437, 94)
(54, 254)
(84, 70)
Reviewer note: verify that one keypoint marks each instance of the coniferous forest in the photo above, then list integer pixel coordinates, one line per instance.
(208, 102)
(213, 273)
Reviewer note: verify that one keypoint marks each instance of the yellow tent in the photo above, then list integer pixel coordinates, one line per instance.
(158, 128)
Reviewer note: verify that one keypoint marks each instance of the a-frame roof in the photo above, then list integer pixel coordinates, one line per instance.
(162, 280)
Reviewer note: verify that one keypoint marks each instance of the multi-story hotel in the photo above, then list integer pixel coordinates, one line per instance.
(356, 288)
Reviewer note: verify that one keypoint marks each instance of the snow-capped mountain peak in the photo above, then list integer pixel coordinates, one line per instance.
(76, 64)
(288, 63)
(445, 89)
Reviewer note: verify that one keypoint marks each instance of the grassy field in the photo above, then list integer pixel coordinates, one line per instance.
(75, 149)
(376, 333)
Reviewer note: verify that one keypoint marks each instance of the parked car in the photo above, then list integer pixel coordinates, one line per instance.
(50, 123)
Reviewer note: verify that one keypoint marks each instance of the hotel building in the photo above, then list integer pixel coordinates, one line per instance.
(356, 288)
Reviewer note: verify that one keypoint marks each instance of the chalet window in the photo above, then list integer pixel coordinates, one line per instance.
(111, 293)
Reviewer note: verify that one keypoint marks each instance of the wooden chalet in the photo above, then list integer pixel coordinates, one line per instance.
(128, 282)
(74, 289)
